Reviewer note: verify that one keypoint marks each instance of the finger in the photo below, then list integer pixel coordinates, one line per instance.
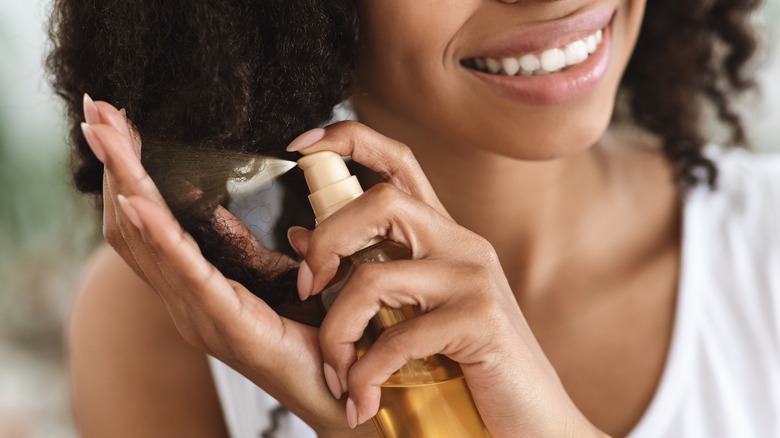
(228, 321)
(125, 239)
(299, 238)
(199, 278)
(91, 111)
(96, 113)
(111, 116)
(382, 211)
(391, 159)
(417, 338)
(113, 233)
(217, 314)
(421, 285)
(261, 257)
(122, 162)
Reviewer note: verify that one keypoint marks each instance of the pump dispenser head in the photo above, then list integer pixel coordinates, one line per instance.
(330, 183)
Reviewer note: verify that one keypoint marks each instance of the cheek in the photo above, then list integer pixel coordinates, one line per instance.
(404, 54)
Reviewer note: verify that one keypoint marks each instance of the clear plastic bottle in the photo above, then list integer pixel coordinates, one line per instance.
(426, 398)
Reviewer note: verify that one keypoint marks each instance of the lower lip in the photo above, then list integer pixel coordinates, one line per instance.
(555, 88)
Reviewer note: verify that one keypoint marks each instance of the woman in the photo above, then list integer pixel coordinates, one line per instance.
(590, 279)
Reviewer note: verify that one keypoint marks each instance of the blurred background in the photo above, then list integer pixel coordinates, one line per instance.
(47, 231)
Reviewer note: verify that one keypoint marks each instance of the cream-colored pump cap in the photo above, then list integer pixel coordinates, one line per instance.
(330, 183)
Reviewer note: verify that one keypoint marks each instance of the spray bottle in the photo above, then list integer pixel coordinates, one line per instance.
(426, 398)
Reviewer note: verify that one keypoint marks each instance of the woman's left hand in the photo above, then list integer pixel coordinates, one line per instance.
(467, 309)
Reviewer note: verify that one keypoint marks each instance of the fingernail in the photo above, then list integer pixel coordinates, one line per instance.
(123, 112)
(305, 281)
(91, 112)
(352, 418)
(94, 144)
(332, 379)
(306, 139)
(131, 213)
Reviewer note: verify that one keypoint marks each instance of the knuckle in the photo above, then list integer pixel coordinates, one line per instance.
(481, 252)
(406, 158)
(392, 340)
(205, 276)
(215, 346)
(328, 344)
(180, 240)
(349, 130)
(357, 379)
(368, 276)
(140, 179)
(349, 127)
(192, 337)
(485, 250)
(328, 336)
(386, 195)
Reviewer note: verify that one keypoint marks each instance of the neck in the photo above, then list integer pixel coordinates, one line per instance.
(589, 211)
(531, 212)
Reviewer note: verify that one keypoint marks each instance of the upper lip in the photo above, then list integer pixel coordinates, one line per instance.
(550, 35)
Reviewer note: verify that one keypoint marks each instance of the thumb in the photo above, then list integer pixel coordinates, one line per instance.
(299, 239)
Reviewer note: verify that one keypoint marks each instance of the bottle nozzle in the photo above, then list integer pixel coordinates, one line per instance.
(330, 183)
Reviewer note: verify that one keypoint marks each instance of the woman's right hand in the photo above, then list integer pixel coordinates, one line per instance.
(213, 313)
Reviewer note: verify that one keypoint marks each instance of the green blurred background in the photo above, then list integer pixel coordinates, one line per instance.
(47, 231)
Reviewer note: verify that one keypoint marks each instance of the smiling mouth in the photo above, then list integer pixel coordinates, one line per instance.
(543, 63)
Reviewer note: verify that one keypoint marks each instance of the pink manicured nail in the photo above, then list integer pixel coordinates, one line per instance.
(305, 281)
(123, 112)
(306, 139)
(352, 418)
(91, 112)
(333, 381)
(94, 143)
(131, 213)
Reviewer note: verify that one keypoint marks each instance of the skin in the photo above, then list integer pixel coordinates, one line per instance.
(568, 266)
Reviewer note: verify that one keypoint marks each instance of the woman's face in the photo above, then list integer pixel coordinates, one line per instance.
(530, 79)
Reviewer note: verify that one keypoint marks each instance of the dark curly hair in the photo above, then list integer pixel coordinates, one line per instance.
(248, 76)
(691, 53)
(225, 78)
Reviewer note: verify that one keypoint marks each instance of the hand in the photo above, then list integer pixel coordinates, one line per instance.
(211, 312)
(468, 311)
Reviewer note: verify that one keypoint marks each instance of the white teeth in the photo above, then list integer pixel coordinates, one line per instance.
(591, 43)
(576, 52)
(493, 65)
(511, 66)
(546, 62)
(553, 59)
(530, 63)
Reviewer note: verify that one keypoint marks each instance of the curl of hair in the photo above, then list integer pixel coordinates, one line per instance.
(691, 53)
(222, 76)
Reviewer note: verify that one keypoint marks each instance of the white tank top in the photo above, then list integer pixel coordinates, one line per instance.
(722, 373)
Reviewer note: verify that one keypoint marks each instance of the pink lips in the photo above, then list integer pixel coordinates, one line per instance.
(555, 88)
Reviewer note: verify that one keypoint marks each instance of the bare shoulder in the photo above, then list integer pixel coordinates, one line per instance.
(131, 373)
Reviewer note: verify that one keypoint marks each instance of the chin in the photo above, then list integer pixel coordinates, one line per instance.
(542, 133)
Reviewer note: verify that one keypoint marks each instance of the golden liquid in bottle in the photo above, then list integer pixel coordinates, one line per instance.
(439, 409)
(426, 398)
